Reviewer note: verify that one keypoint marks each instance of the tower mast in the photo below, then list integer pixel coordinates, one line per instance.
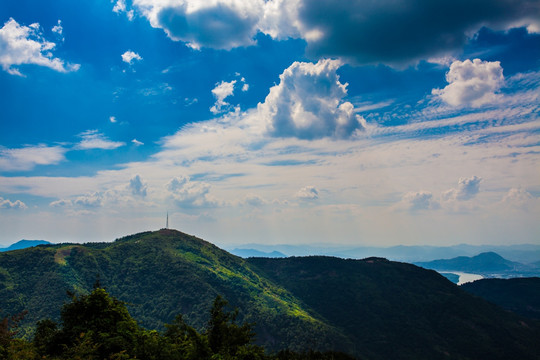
(167, 223)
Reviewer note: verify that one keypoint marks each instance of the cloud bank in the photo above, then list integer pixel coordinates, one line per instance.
(363, 32)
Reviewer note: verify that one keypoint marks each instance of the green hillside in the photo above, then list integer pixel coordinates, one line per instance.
(160, 274)
(373, 308)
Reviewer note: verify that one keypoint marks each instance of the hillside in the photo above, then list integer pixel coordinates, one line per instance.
(371, 308)
(520, 295)
(397, 310)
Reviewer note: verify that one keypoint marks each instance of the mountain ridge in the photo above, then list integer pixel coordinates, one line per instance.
(323, 303)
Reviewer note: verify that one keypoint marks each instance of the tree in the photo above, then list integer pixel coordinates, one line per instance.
(96, 324)
(226, 339)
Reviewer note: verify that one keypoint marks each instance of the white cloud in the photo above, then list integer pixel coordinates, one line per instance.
(120, 7)
(7, 204)
(28, 157)
(137, 186)
(472, 83)
(307, 193)
(418, 200)
(91, 200)
(189, 194)
(308, 103)
(254, 200)
(137, 142)
(58, 29)
(519, 198)
(466, 190)
(112, 119)
(92, 139)
(130, 56)
(25, 45)
(60, 203)
(222, 91)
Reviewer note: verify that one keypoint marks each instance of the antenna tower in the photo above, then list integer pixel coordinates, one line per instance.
(167, 223)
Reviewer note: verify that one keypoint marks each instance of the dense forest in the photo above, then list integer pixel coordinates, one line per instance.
(98, 326)
(371, 308)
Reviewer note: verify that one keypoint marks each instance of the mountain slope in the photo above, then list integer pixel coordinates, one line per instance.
(160, 274)
(399, 311)
(373, 308)
(520, 295)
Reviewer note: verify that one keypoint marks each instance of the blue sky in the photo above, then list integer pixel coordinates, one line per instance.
(299, 121)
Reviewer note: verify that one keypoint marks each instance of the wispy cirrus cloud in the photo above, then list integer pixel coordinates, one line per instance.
(93, 139)
(26, 158)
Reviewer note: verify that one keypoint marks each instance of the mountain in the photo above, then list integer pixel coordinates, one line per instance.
(488, 263)
(526, 253)
(371, 308)
(247, 253)
(23, 244)
(520, 295)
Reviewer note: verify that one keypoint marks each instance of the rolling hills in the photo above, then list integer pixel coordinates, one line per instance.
(371, 308)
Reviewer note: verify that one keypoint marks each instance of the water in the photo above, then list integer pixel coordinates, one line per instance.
(466, 277)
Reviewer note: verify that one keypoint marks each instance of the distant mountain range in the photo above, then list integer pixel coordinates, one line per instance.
(488, 264)
(524, 254)
(23, 244)
(247, 253)
(371, 308)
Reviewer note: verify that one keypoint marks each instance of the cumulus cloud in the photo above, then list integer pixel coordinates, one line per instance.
(519, 198)
(189, 194)
(218, 24)
(130, 56)
(308, 103)
(364, 32)
(466, 190)
(21, 45)
(92, 139)
(418, 200)
(137, 186)
(12, 205)
(254, 200)
(28, 157)
(472, 83)
(307, 193)
(222, 91)
(91, 200)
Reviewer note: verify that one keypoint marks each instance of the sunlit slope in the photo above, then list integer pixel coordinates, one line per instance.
(160, 274)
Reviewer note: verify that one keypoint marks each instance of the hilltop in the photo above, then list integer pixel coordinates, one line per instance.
(371, 308)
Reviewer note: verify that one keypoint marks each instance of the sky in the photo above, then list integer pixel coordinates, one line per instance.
(413, 122)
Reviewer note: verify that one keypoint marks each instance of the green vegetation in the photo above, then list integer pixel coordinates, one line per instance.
(372, 308)
(98, 326)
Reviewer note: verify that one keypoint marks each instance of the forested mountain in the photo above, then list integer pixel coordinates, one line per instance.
(370, 308)
(520, 295)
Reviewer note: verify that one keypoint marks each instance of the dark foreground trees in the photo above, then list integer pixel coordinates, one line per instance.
(98, 326)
